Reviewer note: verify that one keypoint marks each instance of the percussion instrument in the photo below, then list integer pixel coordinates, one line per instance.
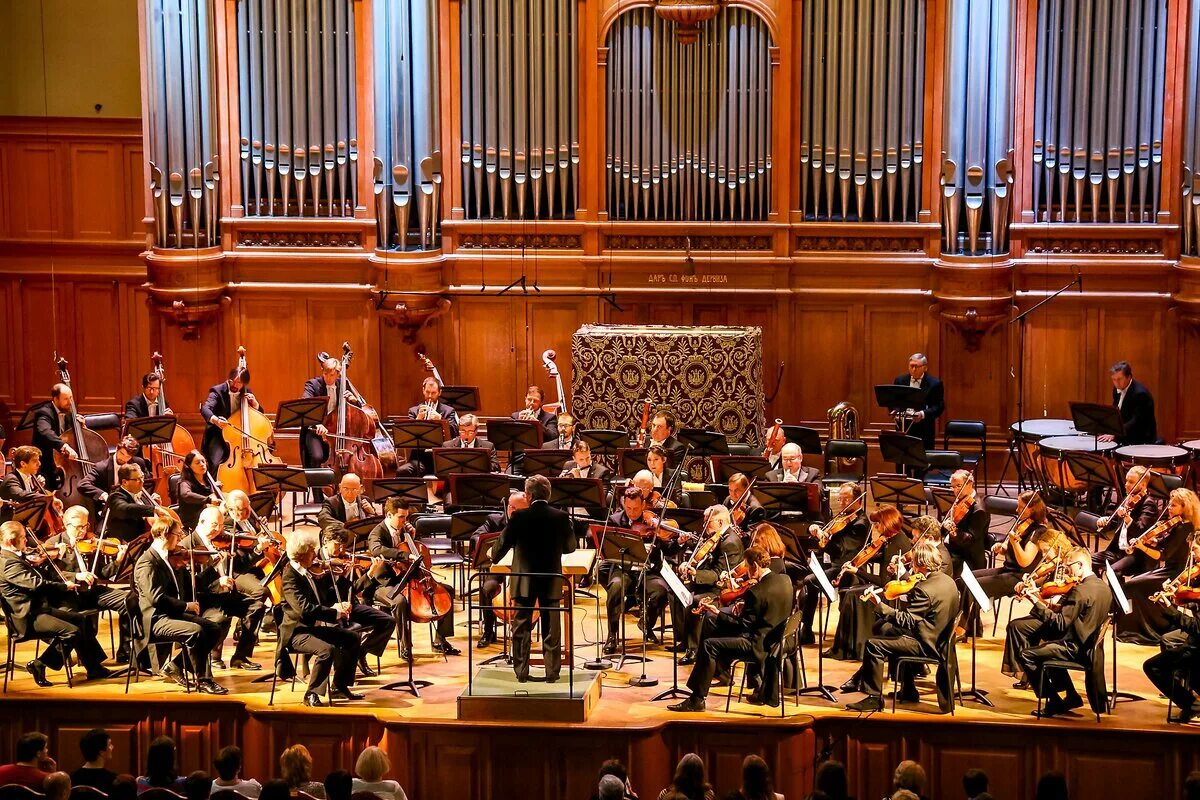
(1051, 458)
(1026, 436)
(1158, 457)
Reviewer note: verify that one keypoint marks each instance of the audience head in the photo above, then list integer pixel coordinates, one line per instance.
(295, 765)
(57, 786)
(124, 787)
(975, 782)
(756, 779)
(277, 789)
(831, 780)
(1191, 786)
(1051, 786)
(372, 765)
(611, 788)
(160, 762)
(905, 794)
(197, 786)
(911, 776)
(689, 777)
(96, 744)
(339, 785)
(228, 763)
(32, 747)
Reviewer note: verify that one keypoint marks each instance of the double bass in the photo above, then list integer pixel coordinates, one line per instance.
(249, 439)
(351, 432)
(88, 445)
(167, 459)
(548, 362)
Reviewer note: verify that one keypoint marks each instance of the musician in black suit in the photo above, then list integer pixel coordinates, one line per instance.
(1180, 656)
(420, 461)
(662, 433)
(582, 465)
(170, 612)
(22, 483)
(751, 626)
(223, 401)
(967, 540)
(102, 476)
(348, 505)
(534, 399)
(791, 467)
(468, 427)
(620, 578)
(314, 450)
(1136, 514)
(313, 626)
(924, 425)
(1061, 634)
(567, 435)
(50, 421)
(702, 574)
(482, 539)
(917, 630)
(194, 493)
(841, 547)
(36, 605)
(752, 511)
(129, 507)
(538, 536)
(147, 403)
(1136, 404)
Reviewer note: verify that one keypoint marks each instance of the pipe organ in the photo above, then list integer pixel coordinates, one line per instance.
(862, 89)
(180, 124)
(688, 125)
(407, 165)
(1190, 210)
(298, 145)
(1098, 110)
(978, 159)
(520, 108)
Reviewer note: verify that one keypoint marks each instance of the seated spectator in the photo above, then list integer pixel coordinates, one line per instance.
(277, 789)
(910, 776)
(610, 788)
(904, 794)
(229, 774)
(372, 767)
(295, 767)
(831, 781)
(57, 786)
(689, 781)
(339, 785)
(124, 787)
(975, 784)
(160, 767)
(96, 746)
(756, 781)
(197, 786)
(1191, 786)
(617, 770)
(33, 762)
(1052, 786)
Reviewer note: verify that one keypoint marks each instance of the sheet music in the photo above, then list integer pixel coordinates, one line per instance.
(676, 586)
(972, 584)
(1114, 583)
(822, 578)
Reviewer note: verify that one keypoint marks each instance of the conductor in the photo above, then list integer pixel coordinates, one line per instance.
(538, 537)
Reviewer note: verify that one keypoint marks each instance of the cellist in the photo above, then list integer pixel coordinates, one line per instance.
(314, 450)
(224, 400)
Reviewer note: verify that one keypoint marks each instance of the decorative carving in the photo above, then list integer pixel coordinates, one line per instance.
(1133, 247)
(410, 312)
(759, 243)
(519, 241)
(861, 244)
(188, 316)
(687, 16)
(970, 322)
(306, 239)
(188, 290)
(973, 294)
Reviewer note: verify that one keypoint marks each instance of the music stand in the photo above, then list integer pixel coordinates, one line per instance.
(605, 442)
(1089, 469)
(630, 460)
(689, 519)
(480, 561)
(460, 460)
(28, 512)
(515, 435)
(1120, 605)
(943, 499)
(628, 549)
(360, 529)
(464, 523)
(779, 498)
(26, 422)
(750, 466)
(304, 412)
(461, 398)
(830, 595)
(571, 493)
(413, 490)
(900, 398)
(545, 461)
(1155, 486)
(981, 600)
(704, 443)
(279, 478)
(1097, 419)
(897, 490)
(485, 490)
(809, 439)
(903, 451)
(151, 430)
(263, 503)
(419, 434)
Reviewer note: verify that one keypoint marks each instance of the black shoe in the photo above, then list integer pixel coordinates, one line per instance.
(723, 679)
(173, 673)
(445, 648)
(216, 663)
(122, 657)
(754, 700)
(1186, 715)
(246, 664)
(867, 705)
(98, 673)
(551, 679)
(610, 645)
(693, 703)
(1072, 702)
(522, 679)
(209, 686)
(688, 659)
(678, 647)
(364, 669)
(312, 700)
(1052, 708)
(908, 696)
(486, 638)
(345, 693)
(851, 685)
(38, 670)
(807, 639)
(650, 637)
(1021, 684)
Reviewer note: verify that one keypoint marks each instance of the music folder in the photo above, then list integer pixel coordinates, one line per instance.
(676, 586)
(822, 579)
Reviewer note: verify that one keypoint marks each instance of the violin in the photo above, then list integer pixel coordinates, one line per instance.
(1154, 536)
(342, 564)
(838, 523)
(737, 585)
(869, 550)
(737, 512)
(88, 545)
(705, 545)
(249, 441)
(664, 530)
(897, 588)
(166, 459)
(352, 432)
(962, 505)
(225, 540)
(1127, 505)
(182, 557)
(88, 445)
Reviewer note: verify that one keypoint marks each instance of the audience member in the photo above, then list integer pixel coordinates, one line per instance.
(197, 786)
(295, 767)
(160, 766)
(617, 770)
(124, 787)
(57, 786)
(689, 780)
(277, 789)
(228, 765)
(756, 781)
(372, 768)
(904, 794)
(910, 776)
(33, 762)
(817, 794)
(975, 784)
(1052, 786)
(1191, 786)
(96, 746)
(611, 788)
(339, 785)
(831, 781)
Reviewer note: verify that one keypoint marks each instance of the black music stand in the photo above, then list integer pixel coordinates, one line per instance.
(277, 479)
(460, 461)
(904, 451)
(631, 460)
(360, 529)
(304, 412)
(545, 461)
(464, 523)
(572, 493)
(809, 439)
(750, 466)
(481, 559)
(414, 490)
(263, 503)
(689, 519)
(628, 549)
(1097, 419)
(485, 490)
(419, 434)
(29, 512)
(898, 491)
(26, 422)
(781, 498)
(152, 430)
(462, 399)
(515, 435)
(1156, 487)
(1089, 469)
(605, 442)
(704, 443)
(900, 398)
(943, 499)
(824, 612)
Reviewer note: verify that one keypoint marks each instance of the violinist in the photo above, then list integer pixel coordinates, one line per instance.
(223, 402)
(582, 465)
(102, 476)
(392, 539)
(1132, 517)
(170, 611)
(130, 507)
(744, 508)
(1167, 544)
(348, 505)
(314, 451)
(195, 493)
(378, 625)
(534, 399)
(492, 583)
(566, 438)
(619, 579)
(23, 482)
(50, 421)
(966, 524)
(719, 550)
(884, 543)
(468, 427)
(36, 601)
(147, 403)
(840, 548)
(1180, 655)
(420, 462)
(1049, 634)
(917, 630)
(743, 630)
(791, 467)
(643, 479)
(239, 591)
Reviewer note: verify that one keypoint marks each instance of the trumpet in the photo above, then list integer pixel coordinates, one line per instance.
(428, 410)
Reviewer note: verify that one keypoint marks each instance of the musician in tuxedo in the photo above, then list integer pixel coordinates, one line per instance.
(378, 625)
(1061, 634)
(582, 465)
(392, 539)
(751, 511)
(468, 427)
(1136, 404)
(313, 626)
(170, 612)
(223, 402)
(23, 481)
(482, 539)
(840, 548)
(534, 399)
(1127, 521)
(314, 450)
(51, 420)
(1180, 655)
(567, 435)
(420, 461)
(924, 425)
(148, 402)
(36, 604)
(751, 625)
(662, 433)
(619, 577)
(967, 540)
(917, 630)
(102, 476)
(129, 507)
(539, 536)
(348, 505)
(702, 574)
(791, 467)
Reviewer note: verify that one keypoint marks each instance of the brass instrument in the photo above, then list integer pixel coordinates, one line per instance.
(843, 424)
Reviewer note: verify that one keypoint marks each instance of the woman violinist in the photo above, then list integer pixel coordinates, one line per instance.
(1166, 549)
(884, 542)
(195, 492)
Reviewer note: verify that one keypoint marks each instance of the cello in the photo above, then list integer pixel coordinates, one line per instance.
(351, 432)
(428, 599)
(88, 445)
(249, 440)
(167, 459)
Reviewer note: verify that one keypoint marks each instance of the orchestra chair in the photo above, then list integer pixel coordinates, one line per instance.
(82, 792)
(998, 506)
(973, 431)
(1179, 675)
(160, 793)
(433, 530)
(134, 673)
(10, 662)
(306, 513)
(227, 794)
(785, 648)
(844, 449)
(947, 657)
(17, 791)
(1085, 524)
(103, 422)
(1091, 664)
(293, 658)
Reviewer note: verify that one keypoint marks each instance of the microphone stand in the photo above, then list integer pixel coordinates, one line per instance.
(600, 662)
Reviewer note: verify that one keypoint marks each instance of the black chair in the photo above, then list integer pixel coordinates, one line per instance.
(947, 657)
(942, 464)
(317, 478)
(1085, 524)
(136, 648)
(1091, 663)
(433, 531)
(16, 791)
(14, 639)
(785, 649)
(973, 431)
(837, 449)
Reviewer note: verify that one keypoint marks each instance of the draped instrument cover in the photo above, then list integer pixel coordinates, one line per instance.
(710, 377)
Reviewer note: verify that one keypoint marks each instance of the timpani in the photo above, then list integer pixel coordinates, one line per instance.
(1164, 458)
(1052, 452)
(1027, 434)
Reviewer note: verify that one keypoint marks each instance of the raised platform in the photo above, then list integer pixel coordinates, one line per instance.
(496, 694)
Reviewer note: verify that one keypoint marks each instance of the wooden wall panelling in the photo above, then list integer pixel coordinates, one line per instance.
(1056, 364)
(870, 762)
(94, 309)
(485, 352)
(1009, 767)
(549, 325)
(39, 338)
(977, 383)
(330, 322)
(124, 737)
(831, 338)
(1185, 355)
(133, 161)
(272, 332)
(95, 175)
(34, 186)
(12, 368)
(894, 332)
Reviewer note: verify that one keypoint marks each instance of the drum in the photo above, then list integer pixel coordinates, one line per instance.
(1193, 447)
(1052, 459)
(1163, 458)
(1026, 436)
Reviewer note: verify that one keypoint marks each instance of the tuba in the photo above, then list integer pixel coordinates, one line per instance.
(843, 424)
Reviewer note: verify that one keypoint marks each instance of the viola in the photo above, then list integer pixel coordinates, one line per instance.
(1154, 536)
(87, 546)
(736, 588)
(869, 550)
(899, 587)
(737, 512)
(249, 441)
(958, 511)
(1127, 505)
(352, 432)
(182, 557)
(837, 524)
(650, 526)
(224, 540)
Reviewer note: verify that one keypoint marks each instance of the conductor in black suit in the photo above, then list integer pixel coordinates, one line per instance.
(1136, 405)
(924, 425)
(224, 400)
(149, 402)
(313, 449)
(538, 536)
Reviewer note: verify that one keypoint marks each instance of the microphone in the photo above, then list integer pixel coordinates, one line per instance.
(1078, 277)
